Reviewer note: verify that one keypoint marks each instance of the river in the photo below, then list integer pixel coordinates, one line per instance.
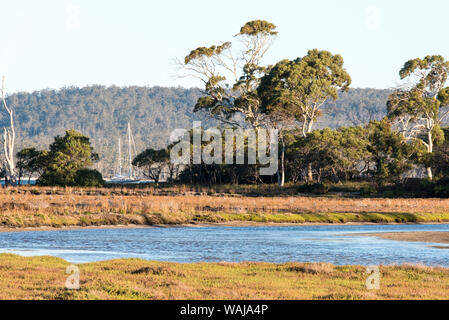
(234, 244)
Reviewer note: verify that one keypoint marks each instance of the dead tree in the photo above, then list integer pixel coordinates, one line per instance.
(9, 136)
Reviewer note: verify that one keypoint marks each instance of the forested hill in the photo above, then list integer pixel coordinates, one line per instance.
(102, 113)
(355, 107)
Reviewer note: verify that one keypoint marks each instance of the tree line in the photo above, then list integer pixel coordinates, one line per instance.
(67, 162)
(239, 91)
(401, 134)
(102, 114)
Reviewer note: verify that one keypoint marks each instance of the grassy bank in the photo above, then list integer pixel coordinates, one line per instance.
(44, 278)
(58, 207)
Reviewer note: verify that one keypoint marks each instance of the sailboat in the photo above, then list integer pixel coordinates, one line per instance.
(131, 177)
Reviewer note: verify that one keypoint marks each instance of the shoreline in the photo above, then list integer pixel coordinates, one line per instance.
(221, 224)
(416, 236)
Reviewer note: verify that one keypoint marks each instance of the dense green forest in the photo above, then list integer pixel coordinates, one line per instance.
(102, 113)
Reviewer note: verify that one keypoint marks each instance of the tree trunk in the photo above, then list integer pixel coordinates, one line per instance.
(309, 172)
(430, 150)
(429, 173)
(9, 137)
(309, 165)
(310, 126)
(281, 174)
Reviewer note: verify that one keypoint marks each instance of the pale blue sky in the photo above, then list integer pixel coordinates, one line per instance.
(51, 44)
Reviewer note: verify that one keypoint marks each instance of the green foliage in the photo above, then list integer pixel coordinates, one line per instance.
(201, 52)
(89, 178)
(389, 152)
(427, 95)
(152, 162)
(419, 105)
(231, 78)
(438, 135)
(29, 162)
(367, 191)
(350, 153)
(443, 97)
(244, 172)
(297, 89)
(256, 27)
(436, 63)
(333, 154)
(313, 188)
(67, 155)
(441, 188)
(440, 158)
(102, 113)
(150, 157)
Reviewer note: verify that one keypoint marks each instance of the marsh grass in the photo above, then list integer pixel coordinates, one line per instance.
(44, 278)
(59, 207)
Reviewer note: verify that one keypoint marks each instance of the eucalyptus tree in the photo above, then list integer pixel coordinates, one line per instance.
(153, 162)
(30, 161)
(390, 154)
(298, 89)
(417, 109)
(440, 159)
(231, 74)
(338, 155)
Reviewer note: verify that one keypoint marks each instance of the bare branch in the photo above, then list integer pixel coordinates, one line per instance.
(9, 136)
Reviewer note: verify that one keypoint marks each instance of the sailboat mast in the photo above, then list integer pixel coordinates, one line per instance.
(129, 151)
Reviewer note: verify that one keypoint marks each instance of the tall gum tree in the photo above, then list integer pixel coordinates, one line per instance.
(418, 107)
(296, 90)
(232, 75)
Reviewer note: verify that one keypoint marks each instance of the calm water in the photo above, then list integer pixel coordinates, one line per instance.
(23, 182)
(272, 244)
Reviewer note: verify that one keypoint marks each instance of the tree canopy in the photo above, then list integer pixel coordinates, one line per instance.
(298, 89)
(67, 155)
(417, 107)
(152, 162)
(231, 76)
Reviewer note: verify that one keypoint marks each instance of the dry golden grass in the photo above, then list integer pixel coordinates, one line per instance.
(34, 206)
(44, 278)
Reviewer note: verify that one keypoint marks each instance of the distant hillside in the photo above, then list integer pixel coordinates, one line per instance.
(355, 107)
(102, 113)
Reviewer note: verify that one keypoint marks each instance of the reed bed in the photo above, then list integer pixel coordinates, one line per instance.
(56, 207)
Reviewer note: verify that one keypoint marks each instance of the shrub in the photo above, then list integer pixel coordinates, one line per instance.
(368, 191)
(441, 188)
(89, 178)
(313, 188)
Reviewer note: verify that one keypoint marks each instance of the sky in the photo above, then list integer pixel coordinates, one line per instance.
(53, 44)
